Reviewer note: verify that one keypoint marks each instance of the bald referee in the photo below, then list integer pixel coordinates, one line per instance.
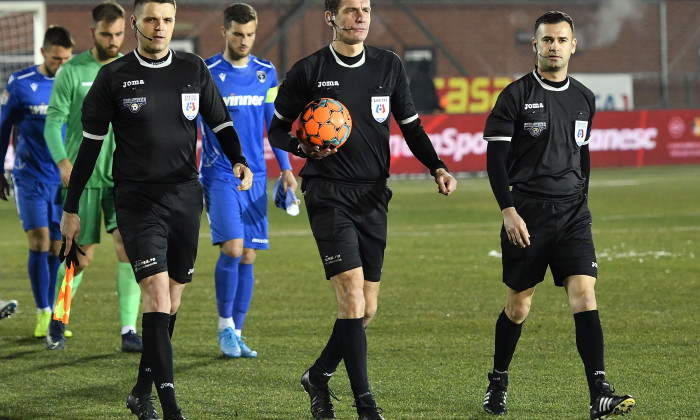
(152, 97)
(537, 137)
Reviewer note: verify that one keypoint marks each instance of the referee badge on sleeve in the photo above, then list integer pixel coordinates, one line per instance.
(580, 132)
(190, 105)
(380, 108)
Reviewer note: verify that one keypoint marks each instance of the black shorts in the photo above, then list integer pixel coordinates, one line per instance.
(160, 227)
(560, 237)
(349, 223)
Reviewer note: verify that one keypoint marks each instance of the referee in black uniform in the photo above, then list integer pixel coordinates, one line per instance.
(538, 136)
(152, 97)
(345, 189)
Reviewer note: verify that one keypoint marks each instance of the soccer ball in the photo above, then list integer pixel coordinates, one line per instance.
(325, 122)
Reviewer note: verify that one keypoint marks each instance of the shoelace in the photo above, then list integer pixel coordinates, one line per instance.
(147, 403)
(330, 393)
(374, 407)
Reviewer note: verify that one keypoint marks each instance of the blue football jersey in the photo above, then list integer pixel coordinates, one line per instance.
(249, 93)
(24, 105)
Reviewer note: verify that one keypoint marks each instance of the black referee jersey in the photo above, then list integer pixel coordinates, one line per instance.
(372, 88)
(153, 109)
(546, 127)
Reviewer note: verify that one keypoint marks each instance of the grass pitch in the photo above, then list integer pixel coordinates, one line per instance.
(431, 343)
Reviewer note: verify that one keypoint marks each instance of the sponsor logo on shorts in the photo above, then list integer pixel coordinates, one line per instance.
(141, 264)
(594, 264)
(190, 271)
(259, 241)
(167, 385)
(332, 259)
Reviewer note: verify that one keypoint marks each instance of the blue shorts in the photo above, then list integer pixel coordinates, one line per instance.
(39, 205)
(237, 214)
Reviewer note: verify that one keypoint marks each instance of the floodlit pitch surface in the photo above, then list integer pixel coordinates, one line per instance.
(431, 343)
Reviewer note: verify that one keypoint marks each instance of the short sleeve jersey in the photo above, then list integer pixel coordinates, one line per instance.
(371, 89)
(247, 91)
(24, 104)
(73, 81)
(546, 127)
(153, 108)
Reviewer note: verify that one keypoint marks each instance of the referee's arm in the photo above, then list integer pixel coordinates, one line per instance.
(279, 135)
(82, 170)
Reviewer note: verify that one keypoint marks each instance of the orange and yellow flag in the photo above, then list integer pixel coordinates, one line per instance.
(62, 311)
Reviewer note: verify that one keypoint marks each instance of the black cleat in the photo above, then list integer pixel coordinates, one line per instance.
(176, 416)
(606, 405)
(142, 406)
(367, 408)
(131, 343)
(321, 405)
(56, 335)
(496, 393)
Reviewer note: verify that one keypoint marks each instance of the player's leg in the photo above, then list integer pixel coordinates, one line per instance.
(508, 329)
(224, 213)
(54, 264)
(523, 269)
(55, 213)
(226, 284)
(372, 238)
(371, 290)
(329, 224)
(89, 212)
(90, 228)
(128, 291)
(574, 266)
(241, 301)
(38, 268)
(254, 218)
(33, 206)
(589, 342)
(129, 295)
(157, 347)
(147, 219)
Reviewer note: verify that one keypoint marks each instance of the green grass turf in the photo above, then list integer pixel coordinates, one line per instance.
(431, 343)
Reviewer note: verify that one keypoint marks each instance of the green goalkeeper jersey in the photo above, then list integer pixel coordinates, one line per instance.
(70, 87)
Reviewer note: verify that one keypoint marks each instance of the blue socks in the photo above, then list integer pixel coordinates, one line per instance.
(244, 294)
(38, 267)
(226, 282)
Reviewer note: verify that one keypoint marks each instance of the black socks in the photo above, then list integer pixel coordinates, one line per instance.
(507, 336)
(589, 341)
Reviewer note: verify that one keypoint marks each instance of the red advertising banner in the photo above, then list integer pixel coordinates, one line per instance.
(618, 138)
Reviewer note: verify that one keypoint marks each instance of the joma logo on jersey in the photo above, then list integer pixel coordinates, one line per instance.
(327, 83)
(38, 109)
(534, 106)
(240, 100)
(133, 83)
